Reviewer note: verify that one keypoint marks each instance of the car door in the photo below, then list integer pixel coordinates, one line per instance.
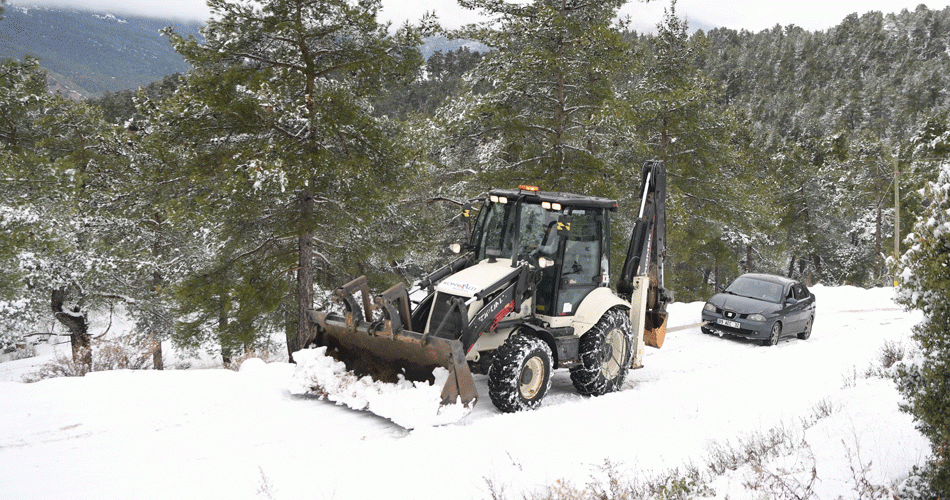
(808, 300)
(800, 309)
(790, 313)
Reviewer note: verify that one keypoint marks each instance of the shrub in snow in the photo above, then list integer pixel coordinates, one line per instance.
(925, 285)
(122, 353)
(15, 318)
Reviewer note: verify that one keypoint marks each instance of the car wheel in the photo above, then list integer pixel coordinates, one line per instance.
(774, 335)
(604, 352)
(520, 373)
(807, 333)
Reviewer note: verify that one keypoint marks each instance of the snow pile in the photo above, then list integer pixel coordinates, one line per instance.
(407, 403)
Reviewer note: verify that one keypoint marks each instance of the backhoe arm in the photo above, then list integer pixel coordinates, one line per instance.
(646, 252)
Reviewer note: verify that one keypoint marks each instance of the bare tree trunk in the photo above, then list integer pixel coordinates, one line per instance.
(157, 362)
(226, 351)
(158, 281)
(791, 266)
(304, 278)
(878, 269)
(748, 258)
(74, 321)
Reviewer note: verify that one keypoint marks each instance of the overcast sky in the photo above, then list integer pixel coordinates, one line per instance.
(753, 15)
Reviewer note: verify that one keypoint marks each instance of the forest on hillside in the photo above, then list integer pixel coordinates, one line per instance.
(88, 53)
(307, 147)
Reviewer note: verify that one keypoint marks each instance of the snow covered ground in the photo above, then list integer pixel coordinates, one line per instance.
(215, 433)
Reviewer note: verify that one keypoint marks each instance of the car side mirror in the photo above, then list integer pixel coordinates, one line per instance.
(791, 301)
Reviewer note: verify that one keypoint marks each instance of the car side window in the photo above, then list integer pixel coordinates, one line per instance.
(801, 293)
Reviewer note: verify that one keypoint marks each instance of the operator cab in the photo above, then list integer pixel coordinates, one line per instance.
(566, 236)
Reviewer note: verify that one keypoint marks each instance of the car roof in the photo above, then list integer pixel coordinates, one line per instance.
(772, 278)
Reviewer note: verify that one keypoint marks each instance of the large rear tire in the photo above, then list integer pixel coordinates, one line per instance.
(520, 373)
(605, 352)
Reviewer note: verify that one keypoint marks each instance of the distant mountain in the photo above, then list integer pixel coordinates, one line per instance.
(88, 53)
(444, 45)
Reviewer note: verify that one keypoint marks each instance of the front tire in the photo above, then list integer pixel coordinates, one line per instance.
(605, 352)
(774, 335)
(520, 373)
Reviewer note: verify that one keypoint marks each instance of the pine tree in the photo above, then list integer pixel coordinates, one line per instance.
(713, 210)
(542, 107)
(283, 151)
(925, 285)
(74, 248)
(22, 89)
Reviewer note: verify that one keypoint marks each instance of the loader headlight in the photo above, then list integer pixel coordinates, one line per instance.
(456, 247)
(498, 199)
(547, 205)
(545, 262)
(756, 317)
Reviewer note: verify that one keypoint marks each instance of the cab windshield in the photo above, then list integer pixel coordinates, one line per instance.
(537, 231)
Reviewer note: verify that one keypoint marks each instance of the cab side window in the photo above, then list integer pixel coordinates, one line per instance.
(582, 253)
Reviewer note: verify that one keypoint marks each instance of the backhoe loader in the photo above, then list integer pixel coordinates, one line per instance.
(529, 293)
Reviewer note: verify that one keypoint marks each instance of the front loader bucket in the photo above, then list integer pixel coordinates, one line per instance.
(383, 349)
(368, 351)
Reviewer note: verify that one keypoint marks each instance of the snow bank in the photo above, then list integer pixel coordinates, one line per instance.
(407, 403)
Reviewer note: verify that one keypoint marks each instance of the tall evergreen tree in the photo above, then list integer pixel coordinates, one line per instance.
(925, 285)
(86, 253)
(284, 151)
(708, 152)
(22, 96)
(542, 106)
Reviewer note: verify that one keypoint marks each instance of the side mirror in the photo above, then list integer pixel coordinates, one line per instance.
(791, 301)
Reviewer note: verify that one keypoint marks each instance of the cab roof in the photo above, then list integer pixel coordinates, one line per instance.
(565, 199)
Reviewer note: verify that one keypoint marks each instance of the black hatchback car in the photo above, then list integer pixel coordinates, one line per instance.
(761, 307)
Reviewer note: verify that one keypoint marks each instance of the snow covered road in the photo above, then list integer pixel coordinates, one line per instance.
(225, 434)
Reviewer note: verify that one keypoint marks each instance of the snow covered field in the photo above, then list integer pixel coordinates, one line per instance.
(215, 433)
